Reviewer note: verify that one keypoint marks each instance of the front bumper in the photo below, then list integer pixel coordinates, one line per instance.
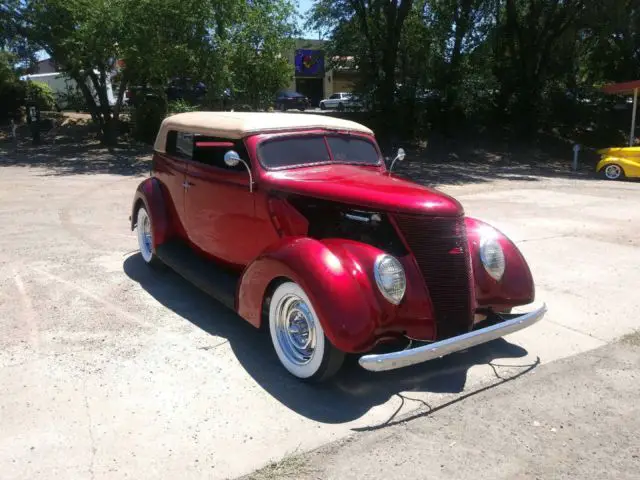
(412, 356)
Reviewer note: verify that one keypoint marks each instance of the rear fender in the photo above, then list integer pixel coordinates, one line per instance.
(335, 274)
(149, 193)
(516, 286)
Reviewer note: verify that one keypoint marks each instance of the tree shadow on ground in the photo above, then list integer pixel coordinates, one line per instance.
(84, 158)
(71, 149)
(352, 393)
(468, 164)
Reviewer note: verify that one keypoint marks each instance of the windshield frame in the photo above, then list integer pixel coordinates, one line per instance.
(322, 134)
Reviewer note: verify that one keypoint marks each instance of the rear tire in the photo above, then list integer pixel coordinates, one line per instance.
(298, 338)
(322, 106)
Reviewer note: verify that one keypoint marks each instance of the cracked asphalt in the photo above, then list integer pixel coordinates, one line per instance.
(110, 370)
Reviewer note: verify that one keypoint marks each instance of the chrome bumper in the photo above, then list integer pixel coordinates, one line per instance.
(412, 356)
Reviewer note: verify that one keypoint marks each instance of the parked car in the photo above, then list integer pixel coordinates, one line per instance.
(288, 100)
(178, 88)
(341, 101)
(295, 222)
(619, 162)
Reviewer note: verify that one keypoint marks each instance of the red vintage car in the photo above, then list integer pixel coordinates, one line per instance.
(295, 222)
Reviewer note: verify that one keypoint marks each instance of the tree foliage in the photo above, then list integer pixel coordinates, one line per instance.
(500, 60)
(234, 44)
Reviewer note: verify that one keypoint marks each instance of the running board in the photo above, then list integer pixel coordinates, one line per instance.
(205, 274)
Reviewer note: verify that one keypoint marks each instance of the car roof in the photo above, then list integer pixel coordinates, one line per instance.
(241, 124)
(291, 92)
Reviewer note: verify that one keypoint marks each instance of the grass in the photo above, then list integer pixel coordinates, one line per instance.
(293, 466)
(632, 339)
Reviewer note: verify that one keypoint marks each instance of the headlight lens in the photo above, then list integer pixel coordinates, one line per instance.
(492, 257)
(390, 278)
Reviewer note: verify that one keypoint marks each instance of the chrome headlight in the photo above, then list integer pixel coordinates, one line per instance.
(492, 256)
(390, 278)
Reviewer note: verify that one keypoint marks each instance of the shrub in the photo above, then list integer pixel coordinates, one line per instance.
(11, 99)
(42, 94)
(11, 89)
(181, 106)
(72, 99)
(147, 117)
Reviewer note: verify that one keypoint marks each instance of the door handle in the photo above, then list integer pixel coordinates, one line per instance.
(186, 184)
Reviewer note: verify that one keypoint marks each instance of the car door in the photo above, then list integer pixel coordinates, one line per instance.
(170, 169)
(219, 207)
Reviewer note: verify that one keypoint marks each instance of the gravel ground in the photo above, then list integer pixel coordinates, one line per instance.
(110, 370)
(575, 418)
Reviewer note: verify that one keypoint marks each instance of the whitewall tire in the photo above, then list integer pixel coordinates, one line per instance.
(144, 232)
(298, 337)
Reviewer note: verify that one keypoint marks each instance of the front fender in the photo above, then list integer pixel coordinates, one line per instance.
(338, 285)
(516, 286)
(149, 193)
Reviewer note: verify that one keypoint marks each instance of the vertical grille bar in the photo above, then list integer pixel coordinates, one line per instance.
(439, 245)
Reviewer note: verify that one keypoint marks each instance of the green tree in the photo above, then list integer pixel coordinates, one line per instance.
(220, 42)
(371, 30)
(12, 90)
(257, 48)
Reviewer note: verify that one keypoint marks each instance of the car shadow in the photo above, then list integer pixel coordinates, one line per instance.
(351, 394)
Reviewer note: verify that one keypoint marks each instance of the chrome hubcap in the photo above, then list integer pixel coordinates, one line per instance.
(612, 172)
(295, 329)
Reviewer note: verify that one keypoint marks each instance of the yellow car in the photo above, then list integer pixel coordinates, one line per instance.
(619, 162)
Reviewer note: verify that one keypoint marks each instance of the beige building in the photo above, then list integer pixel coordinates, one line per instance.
(313, 78)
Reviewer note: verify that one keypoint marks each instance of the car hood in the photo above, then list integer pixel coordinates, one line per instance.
(363, 186)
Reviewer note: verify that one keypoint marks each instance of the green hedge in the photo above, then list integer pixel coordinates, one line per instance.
(42, 94)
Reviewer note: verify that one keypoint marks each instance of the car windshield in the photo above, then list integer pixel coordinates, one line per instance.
(313, 149)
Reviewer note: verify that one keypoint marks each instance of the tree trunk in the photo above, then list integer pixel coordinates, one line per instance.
(108, 126)
(121, 90)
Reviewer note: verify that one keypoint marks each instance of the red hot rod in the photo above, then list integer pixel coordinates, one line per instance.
(295, 222)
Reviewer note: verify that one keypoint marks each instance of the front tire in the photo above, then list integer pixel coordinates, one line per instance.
(613, 172)
(298, 337)
(145, 238)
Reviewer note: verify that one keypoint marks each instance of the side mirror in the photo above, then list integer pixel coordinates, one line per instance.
(399, 156)
(232, 159)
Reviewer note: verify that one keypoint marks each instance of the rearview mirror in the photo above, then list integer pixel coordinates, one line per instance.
(231, 158)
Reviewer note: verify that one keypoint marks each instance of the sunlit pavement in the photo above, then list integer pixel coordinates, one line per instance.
(110, 370)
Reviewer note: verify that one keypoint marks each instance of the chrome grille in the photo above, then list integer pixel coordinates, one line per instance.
(439, 245)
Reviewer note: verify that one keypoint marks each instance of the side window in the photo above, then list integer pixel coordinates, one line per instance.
(180, 144)
(210, 151)
(335, 96)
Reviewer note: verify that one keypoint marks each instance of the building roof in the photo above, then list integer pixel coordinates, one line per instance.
(622, 88)
(241, 124)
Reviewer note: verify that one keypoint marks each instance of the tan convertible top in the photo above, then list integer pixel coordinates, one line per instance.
(241, 124)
